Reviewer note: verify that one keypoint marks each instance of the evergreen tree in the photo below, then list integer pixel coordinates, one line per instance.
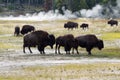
(83, 4)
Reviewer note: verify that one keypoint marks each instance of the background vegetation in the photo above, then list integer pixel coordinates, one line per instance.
(31, 6)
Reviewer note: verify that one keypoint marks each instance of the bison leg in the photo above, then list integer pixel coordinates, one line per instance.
(72, 50)
(43, 51)
(23, 49)
(59, 49)
(116, 24)
(89, 51)
(56, 48)
(29, 49)
(67, 52)
(76, 50)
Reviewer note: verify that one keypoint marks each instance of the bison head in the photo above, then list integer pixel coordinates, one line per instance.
(100, 44)
(51, 41)
(109, 22)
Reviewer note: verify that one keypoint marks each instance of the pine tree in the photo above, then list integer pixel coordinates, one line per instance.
(83, 4)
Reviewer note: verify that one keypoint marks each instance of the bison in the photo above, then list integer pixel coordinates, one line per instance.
(39, 38)
(27, 28)
(70, 25)
(89, 41)
(67, 41)
(84, 26)
(113, 22)
(17, 31)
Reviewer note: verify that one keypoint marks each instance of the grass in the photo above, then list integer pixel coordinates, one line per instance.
(106, 53)
(111, 36)
(10, 42)
(104, 71)
(97, 27)
(87, 71)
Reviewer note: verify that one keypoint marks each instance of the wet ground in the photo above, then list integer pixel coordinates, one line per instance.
(17, 59)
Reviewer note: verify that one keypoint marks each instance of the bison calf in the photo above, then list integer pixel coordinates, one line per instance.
(84, 26)
(17, 31)
(89, 42)
(39, 38)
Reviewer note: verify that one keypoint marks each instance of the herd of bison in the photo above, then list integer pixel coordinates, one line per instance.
(41, 39)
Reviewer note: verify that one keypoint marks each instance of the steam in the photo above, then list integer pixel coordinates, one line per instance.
(95, 12)
(118, 3)
(98, 11)
(102, 11)
(41, 16)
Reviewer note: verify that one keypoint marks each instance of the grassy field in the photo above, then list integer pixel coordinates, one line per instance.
(110, 35)
(101, 71)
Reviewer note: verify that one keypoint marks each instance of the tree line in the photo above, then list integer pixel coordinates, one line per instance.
(73, 5)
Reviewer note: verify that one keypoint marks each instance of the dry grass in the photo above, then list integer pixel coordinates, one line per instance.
(100, 71)
(97, 27)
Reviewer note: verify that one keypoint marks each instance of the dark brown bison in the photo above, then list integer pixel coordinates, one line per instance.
(89, 42)
(113, 22)
(84, 26)
(27, 28)
(70, 25)
(17, 31)
(39, 38)
(67, 41)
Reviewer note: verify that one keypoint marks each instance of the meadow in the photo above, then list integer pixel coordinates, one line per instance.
(10, 44)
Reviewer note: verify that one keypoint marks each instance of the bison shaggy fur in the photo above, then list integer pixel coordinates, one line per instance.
(27, 28)
(71, 25)
(39, 38)
(67, 41)
(17, 31)
(84, 26)
(89, 41)
(113, 22)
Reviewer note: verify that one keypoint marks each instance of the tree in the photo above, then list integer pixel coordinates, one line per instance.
(83, 4)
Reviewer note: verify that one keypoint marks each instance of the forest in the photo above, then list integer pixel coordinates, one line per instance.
(31, 6)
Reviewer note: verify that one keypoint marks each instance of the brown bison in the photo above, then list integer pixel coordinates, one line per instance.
(67, 41)
(27, 28)
(39, 38)
(84, 26)
(113, 22)
(17, 31)
(70, 25)
(89, 42)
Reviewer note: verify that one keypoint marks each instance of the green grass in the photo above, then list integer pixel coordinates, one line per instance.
(111, 36)
(106, 53)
